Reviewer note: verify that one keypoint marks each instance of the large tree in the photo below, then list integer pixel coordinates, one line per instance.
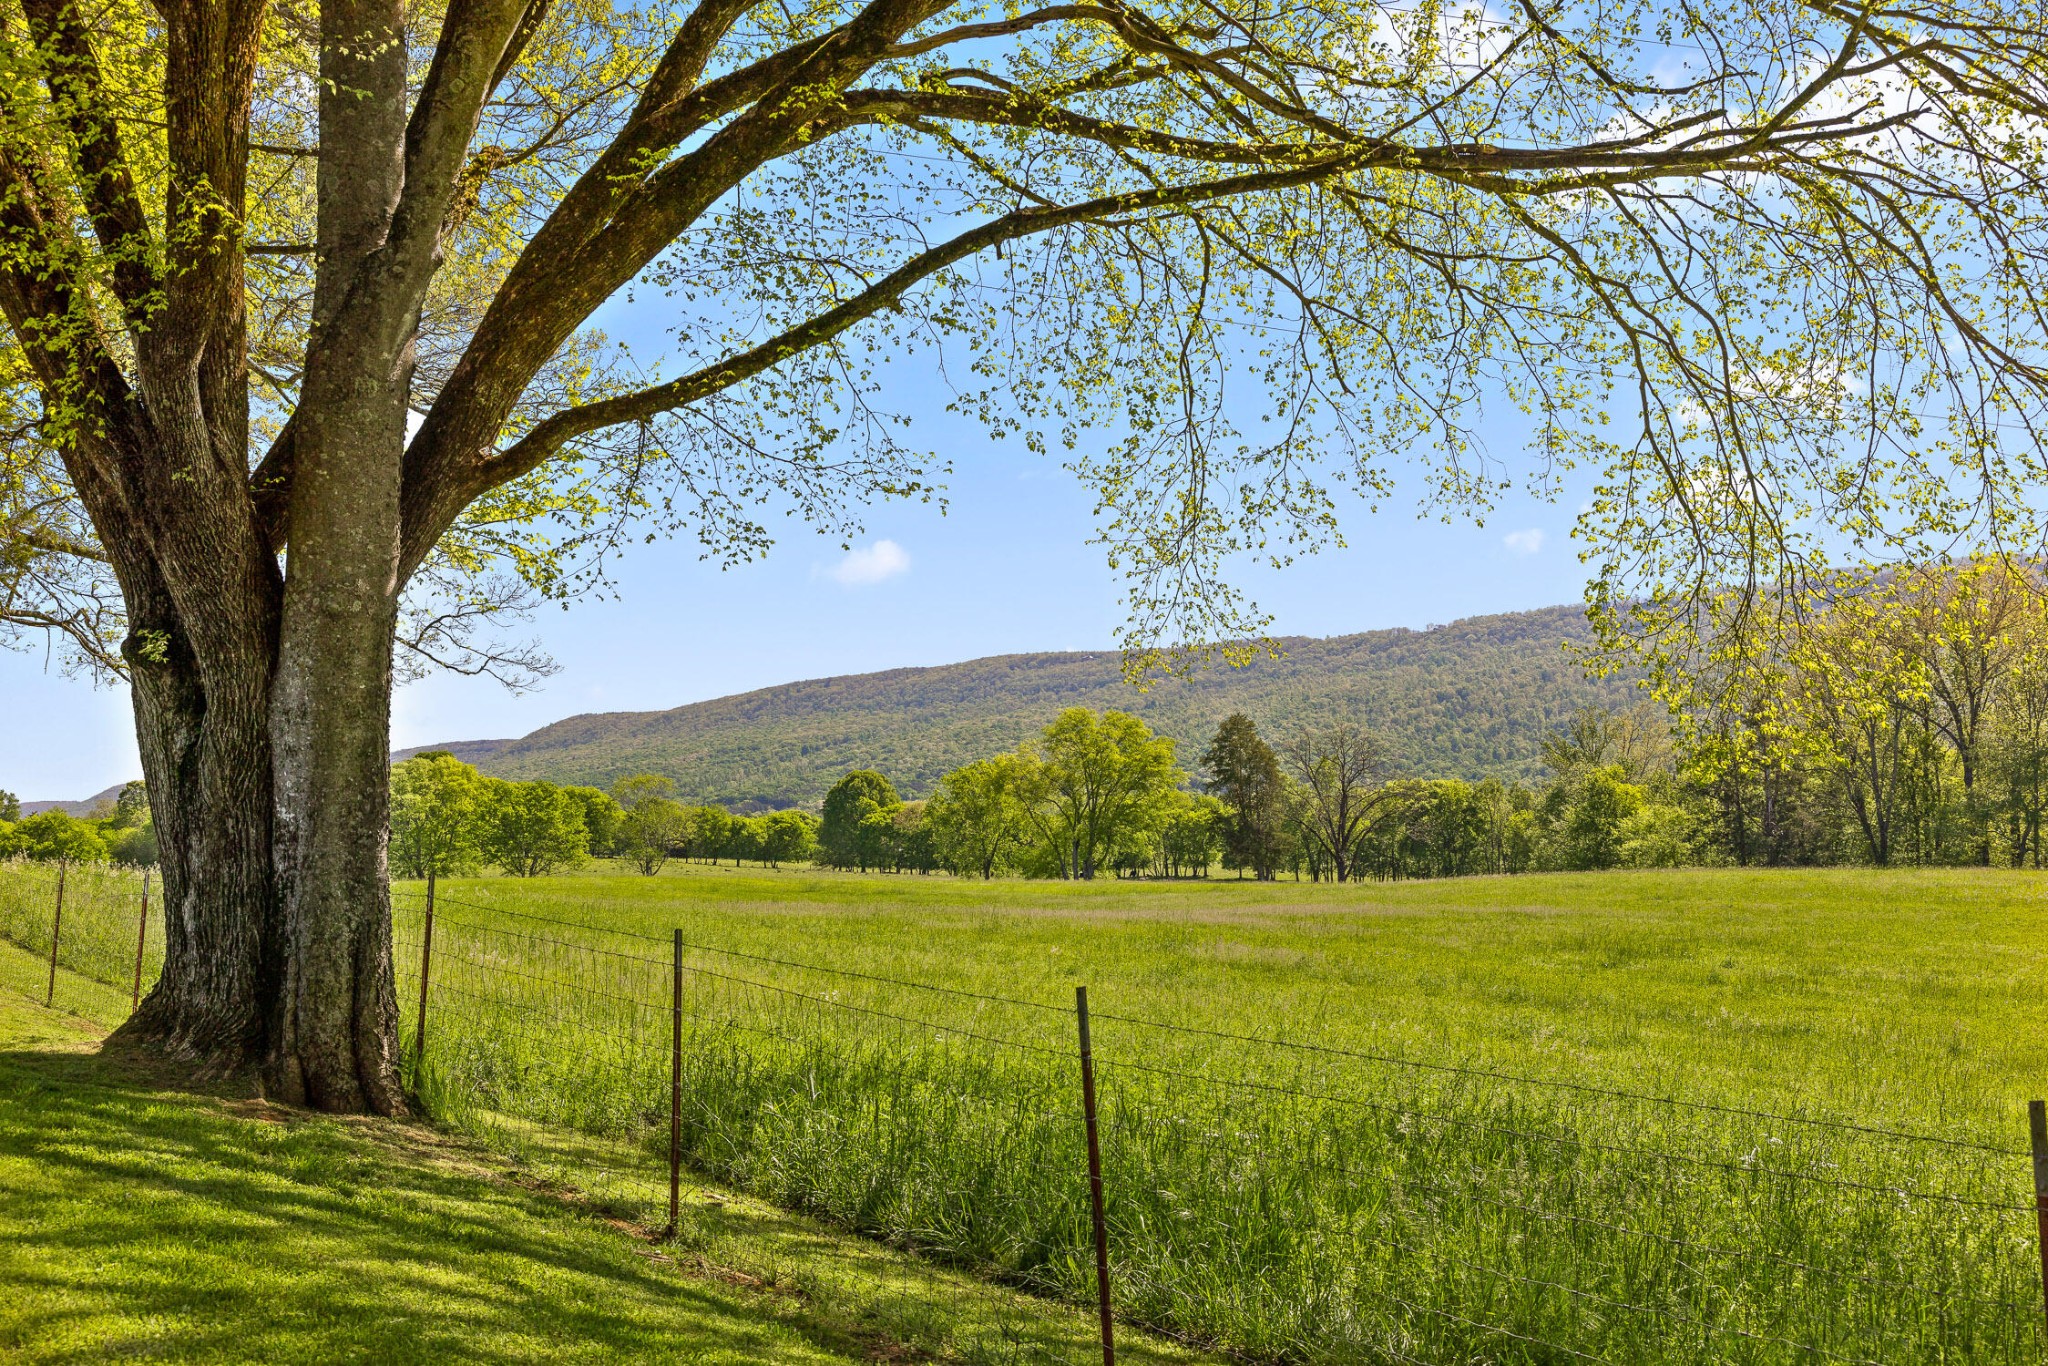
(300, 385)
(1344, 792)
(844, 835)
(1243, 770)
(1094, 786)
(977, 814)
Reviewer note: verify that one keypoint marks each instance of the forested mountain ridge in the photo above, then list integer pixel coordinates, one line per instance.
(1470, 699)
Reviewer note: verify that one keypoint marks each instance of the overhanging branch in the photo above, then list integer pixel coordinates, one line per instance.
(552, 434)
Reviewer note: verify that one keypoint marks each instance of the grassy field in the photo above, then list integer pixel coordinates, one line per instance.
(1909, 998)
(1304, 1202)
(137, 1221)
(1314, 1177)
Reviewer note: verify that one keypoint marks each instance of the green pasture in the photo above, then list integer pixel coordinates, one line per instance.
(1310, 1203)
(1409, 1183)
(1909, 998)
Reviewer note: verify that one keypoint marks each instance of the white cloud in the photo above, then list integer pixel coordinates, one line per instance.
(1524, 542)
(871, 564)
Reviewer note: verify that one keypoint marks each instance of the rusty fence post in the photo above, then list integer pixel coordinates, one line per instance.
(141, 943)
(675, 1093)
(1095, 1180)
(419, 1035)
(56, 930)
(2037, 1132)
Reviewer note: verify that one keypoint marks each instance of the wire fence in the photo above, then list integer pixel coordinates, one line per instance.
(1274, 1198)
(1280, 1198)
(89, 923)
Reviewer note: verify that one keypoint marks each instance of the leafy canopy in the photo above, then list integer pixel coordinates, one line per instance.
(1769, 265)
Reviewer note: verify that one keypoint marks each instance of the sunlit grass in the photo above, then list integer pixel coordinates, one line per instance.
(141, 1220)
(1291, 1203)
(1310, 1205)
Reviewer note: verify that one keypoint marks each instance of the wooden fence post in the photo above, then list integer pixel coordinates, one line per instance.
(141, 942)
(1095, 1180)
(419, 1036)
(56, 929)
(2037, 1132)
(675, 1093)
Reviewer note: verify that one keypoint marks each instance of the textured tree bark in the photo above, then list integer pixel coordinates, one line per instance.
(333, 1043)
(203, 735)
(333, 1040)
(265, 753)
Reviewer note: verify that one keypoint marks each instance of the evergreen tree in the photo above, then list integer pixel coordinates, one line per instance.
(1244, 771)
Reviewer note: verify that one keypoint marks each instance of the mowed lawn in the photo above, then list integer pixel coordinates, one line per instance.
(1910, 998)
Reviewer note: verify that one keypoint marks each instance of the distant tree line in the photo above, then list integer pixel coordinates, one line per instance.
(1905, 721)
(116, 831)
(448, 818)
(1098, 794)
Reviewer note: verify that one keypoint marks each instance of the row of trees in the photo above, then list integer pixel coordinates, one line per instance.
(1095, 793)
(1100, 793)
(1896, 716)
(117, 831)
(448, 818)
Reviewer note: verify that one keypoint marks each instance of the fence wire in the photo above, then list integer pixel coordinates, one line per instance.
(1279, 1199)
(1286, 1199)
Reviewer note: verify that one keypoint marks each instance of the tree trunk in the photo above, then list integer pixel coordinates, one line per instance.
(265, 750)
(333, 1044)
(204, 740)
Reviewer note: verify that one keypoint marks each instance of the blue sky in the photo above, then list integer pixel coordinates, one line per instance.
(1007, 569)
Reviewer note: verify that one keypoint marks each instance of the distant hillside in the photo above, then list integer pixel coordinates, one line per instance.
(1465, 700)
(84, 808)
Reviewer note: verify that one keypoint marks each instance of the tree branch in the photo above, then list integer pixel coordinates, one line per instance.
(72, 74)
(552, 434)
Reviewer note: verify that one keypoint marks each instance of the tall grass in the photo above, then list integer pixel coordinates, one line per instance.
(1458, 1155)
(1286, 1203)
(102, 906)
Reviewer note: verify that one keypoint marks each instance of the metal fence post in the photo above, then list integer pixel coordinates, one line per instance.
(141, 942)
(2037, 1131)
(1095, 1180)
(675, 1094)
(419, 1037)
(56, 929)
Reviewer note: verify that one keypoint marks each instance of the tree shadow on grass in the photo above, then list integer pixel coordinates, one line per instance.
(136, 1219)
(135, 1222)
